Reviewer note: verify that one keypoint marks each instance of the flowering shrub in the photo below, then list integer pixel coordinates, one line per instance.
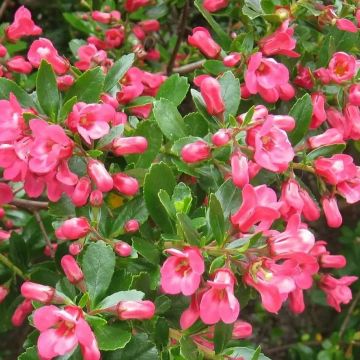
(139, 217)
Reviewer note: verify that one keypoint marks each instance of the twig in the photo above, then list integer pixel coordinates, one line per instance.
(30, 205)
(11, 266)
(3, 7)
(348, 315)
(180, 32)
(43, 230)
(189, 67)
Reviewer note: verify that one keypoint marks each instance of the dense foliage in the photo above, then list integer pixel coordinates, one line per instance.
(171, 180)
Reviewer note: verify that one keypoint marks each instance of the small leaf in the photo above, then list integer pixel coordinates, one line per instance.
(326, 151)
(229, 197)
(30, 354)
(222, 335)
(117, 71)
(190, 233)
(167, 203)
(112, 337)
(67, 108)
(188, 349)
(8, 86)
(64, 208)
(77, 23)
(147, 249)
(112, 300)
(174, 89)
(230, 92)
(216, 219)
(215, 67)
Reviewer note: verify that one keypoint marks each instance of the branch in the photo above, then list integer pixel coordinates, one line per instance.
(3, 7)
(180, 31)
(30, 205)
(43, 230)
(189, 67)
(348, 315)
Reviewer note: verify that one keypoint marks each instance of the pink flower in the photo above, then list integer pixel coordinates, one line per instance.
(221, 137)
(122, 146)
(242, 330)
(319, 115)
(114, 37)
(64, 82)
(211, 92)
(219, 303)
(81, 192)
(259, 206)
(3, 51)
(346, 25)
(332, 261)
(122, 248)
(150, 25)
(331, 211)
(38, 292)
(21, 312)
(106, 18)
(338, 168)
(328, 137)
(96, 198)
(281, 42)
(138, 310)
(133, 5)
(350, 189)
(202, 40)
(354, 94)
(90, 120)
(125, 184)
(304, 78)
(19, 64)
(23, 25)
(50, 146)
(296, 238)
(43, 49)
(195, 152)
(73, 229)
(337, 120)
(265, 76)
(352, 118)
(100, 176)
(89, 56)
(61, 330)
(6, 194)
(215, 5)
(273, 150)
(239, 169)
(292, 202)
(192, 313)
(342, 67)
(71, 269)
(310, 209)
(232, 59)
(181, 272)
(337, 290)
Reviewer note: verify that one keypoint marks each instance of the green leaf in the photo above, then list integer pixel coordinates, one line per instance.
(222, 335)
(196, 124)
(134, 209)
(161, 332)
(67, 108)
(252, 8)
(245, 352)
(174, 89)
(182, 198)
(114, 132)
(223, 37)
(169, 119)
(159, 177)
(229, 197)
(147, 249)
(77, 23)
(112, 337)
(167, 203)
(47, 90)
(88, 86)
(215, 67)
(301, 112)
(216, 219)
(8, 86)
(112, 300)
(190, 233)
(18, 250)
(326, 151)
(188, 349)
(200, 106)
(118, 70)
(64, 208)
(257, 353)
(230, 92)
(30, 354)
(98, 266)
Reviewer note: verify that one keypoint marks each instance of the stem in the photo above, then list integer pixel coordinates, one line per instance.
(3, 7)
(11, 266)
(348, 315)
(189, 67)
(30, 205)
(180, 32)
(303, 167)
(43, 230)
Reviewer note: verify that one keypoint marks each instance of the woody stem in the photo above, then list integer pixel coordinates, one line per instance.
(43, 230)
(11, 266)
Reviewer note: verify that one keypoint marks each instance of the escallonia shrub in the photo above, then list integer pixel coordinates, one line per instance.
(140, 217)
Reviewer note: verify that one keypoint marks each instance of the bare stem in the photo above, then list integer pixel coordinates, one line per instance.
(189, 67)
(43, 230)
(11, 266)
(303, 167)
(30, 205)
(3, 7)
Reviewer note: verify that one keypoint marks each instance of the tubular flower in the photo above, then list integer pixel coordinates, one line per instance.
(202, 40)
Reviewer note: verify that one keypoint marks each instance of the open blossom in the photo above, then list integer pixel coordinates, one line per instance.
(259, 206)
(266, 76)
(281, 42)
(202, 40)
(219, 302)
(337, 290)
(342, 67)
(89, 56)
(114, 37)
(91, 121)
(195, 152)
(181, 272)
(61, 330)
(303, 77)
(43, 49)
(23, 25)
(211, 92)
(73, 229)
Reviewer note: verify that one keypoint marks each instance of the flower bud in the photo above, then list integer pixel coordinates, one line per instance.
(75, 248)
(221, 137)
(71, 269)
(3, 51)
(241, 330)
(81, 192)
(96, 198)
(48, 250)
(123, 249)
(331, 211)
(211, 92)
(100, 176)
(202, 40)
(138, 310)
(328, 137)
(232, 59)
(73, 229)
(354, 94)
(125, 184)
(215, 5)
(21, 312)
(129, 145)
(64, 82)
(310, 209)
(4, 291)
(131, 226)
(239, 169)
(37, 292)
(332, 261)
(195, 152)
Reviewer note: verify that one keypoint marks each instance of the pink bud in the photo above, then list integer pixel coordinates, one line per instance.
(232, 59)
(75, 248)
(108, 99)
(47, 249)
(310, 209)
(332, 261)
(346, 25)
(21, 312)
(100, 176)
(96, 198)
(71, 269)
(215, 5)
(37, 292)
(202, 40)
(354, 94)
(19, 64)
(3, 51)
(211, 92)
(131, 226)
(64, 82)
(329, 137)
(123, 249)
(73, 229)
(129, 145)
(239, 169)
(2, 212)
(81, 192)
(241, 330)
(331, 211)
(125, 184)
(221, 137)
(3, 293)
(138, 310)
(195, 152)
(319, 248)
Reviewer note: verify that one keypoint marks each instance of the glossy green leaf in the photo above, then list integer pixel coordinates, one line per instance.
(187, 228)
(111, 337)
(230, 92)
(174, 89)
(147, 249)
(222, 335)
(326, 151)
(113, 299)
(8, 86)
(216, 219)
(229, 197)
